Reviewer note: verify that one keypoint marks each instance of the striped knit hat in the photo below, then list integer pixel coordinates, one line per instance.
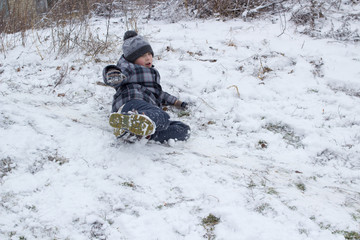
(135, 46)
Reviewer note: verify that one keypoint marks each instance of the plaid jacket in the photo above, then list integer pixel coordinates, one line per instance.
(141, 83)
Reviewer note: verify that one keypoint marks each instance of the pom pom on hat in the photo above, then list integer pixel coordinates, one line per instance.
(129, 34)
(135, 46)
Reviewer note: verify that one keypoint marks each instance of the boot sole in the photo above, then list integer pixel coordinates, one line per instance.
(137, 124)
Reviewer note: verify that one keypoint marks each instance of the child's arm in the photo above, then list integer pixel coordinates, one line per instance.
(169, 99)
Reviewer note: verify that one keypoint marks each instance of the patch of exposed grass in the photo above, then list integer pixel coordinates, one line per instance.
(303, 231)
(301, 186)
(97, 230)
(356, 215)
(346, 90)
(183, 114)
(326, 156)
(272, 191)
(263, 208)
(209, 223)
(317, 67)
(348, 235)
(210, 220)
(251, 184)
(311, 90)
(6, 165)
(287, 133)
(262, 144)
(129, 184)
(352, 235)
(58, 159)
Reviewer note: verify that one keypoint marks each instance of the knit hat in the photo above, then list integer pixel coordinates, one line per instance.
(135, 46)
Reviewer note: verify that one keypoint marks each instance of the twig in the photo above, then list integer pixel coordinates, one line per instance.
(254, 10)
(237, 89)
(108, 23)
(207, 60)
(207, 104)
(102, 84)
(284, 26)
(37, 47)
(261, 71)
(214, 197)
(63, 73)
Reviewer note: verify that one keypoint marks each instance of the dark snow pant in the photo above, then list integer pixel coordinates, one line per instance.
(165, 129)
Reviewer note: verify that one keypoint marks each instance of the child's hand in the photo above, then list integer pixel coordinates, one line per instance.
(181, 105)
(113, 76)
(184, 105)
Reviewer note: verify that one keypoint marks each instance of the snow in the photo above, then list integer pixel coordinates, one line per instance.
(273, 154)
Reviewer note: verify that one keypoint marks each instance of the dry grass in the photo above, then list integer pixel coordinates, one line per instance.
(235, 8)
(70, 30)
(69, 22)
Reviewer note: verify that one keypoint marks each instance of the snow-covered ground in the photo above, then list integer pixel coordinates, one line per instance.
(273, 154)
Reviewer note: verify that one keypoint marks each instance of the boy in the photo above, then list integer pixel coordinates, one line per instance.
(139, 97)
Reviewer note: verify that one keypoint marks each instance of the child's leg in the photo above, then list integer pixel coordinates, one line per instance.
(165, 129)
(156, 114)
(176, 130)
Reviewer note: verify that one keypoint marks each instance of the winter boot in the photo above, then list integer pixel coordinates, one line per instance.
(119, 133)
(137, 124)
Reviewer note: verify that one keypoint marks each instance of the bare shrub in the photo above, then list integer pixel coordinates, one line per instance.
(69, 20)
(24, 15)
(69, 23)
(235, 8)
(75, 33)
(309, 13)
(63, 72)
(27, 14)
(19, 18)
(66, 12)
(288, 134)
(6, 165)
(327, 18)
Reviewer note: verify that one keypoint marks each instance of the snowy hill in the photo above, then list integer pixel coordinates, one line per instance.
(273, 154)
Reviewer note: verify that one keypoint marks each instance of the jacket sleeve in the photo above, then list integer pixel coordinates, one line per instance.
(167, 99)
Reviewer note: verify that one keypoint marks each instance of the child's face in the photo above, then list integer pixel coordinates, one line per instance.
(145, 60)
